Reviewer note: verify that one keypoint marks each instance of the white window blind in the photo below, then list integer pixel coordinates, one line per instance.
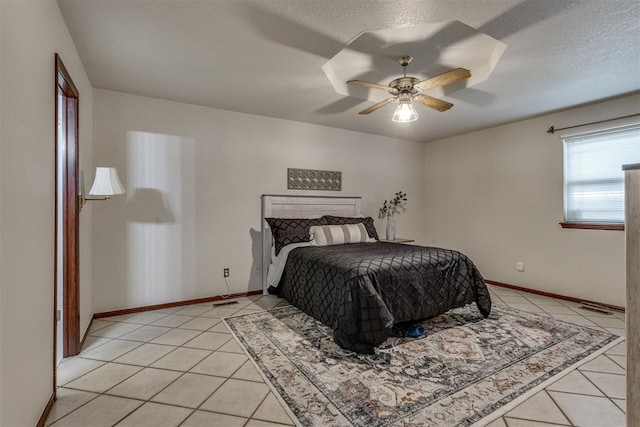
(593, 176)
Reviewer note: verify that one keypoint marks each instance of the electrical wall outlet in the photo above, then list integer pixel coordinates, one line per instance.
(225, 272)
(520, 266)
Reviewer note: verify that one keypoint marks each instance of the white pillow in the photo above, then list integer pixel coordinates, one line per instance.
(324, 235)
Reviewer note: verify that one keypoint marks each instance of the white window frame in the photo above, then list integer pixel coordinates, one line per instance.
(616, 126)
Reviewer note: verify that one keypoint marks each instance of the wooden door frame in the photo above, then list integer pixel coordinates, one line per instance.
(70, 220)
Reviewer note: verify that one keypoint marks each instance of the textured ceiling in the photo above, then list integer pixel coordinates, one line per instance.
(266, 57)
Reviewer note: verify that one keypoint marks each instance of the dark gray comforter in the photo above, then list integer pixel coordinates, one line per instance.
(361, 290)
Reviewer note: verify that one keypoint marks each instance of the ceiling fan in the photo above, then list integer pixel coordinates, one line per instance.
(406, 89)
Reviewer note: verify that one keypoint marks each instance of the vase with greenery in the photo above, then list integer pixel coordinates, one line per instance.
(389, 209)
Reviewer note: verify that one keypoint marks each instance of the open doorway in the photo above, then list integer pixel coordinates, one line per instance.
(66, 271)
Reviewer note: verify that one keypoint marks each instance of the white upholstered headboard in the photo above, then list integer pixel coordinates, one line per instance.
(299, 207)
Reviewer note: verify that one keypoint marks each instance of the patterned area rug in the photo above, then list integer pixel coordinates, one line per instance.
(463, 369)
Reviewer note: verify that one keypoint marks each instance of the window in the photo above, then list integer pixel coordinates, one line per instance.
(593, 176)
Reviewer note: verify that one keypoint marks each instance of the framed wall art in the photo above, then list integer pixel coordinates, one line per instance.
(310, 179)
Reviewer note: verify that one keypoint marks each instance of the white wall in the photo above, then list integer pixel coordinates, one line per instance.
(497, 196)
(194, 176)
(30, 33)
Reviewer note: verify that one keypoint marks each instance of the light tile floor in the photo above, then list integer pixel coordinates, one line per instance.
(181, 367)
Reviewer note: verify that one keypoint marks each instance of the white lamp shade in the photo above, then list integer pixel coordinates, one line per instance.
(106, 183)
(405, 113)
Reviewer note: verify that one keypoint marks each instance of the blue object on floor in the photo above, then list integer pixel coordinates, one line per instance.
(415, 331)
(412, 331)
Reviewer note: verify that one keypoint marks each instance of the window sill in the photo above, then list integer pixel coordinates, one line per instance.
(593, 226)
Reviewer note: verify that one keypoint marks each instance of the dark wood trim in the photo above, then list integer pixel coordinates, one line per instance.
(552, 295)
(47, 410)
(86, 333)
(593, 226)
(60, 68)
(70, 221)
(55, 226)
(172, 304)
(71, 292)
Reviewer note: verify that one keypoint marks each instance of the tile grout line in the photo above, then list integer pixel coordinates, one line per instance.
(101, 393)
(534, 421)
(260, 404)
(154, 395)
(602, 372)
(113, 361)
(80, 376)
(150, 365)
(608, 357)
(605, 395)
(226, 379)
(125, 333)
(106, 392)
(559, 408)
(218, 388)
(72, 411)
(129, 413)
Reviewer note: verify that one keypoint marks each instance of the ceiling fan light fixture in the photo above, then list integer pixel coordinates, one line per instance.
(405, 113)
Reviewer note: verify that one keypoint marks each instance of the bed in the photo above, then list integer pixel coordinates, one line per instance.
(361, 290)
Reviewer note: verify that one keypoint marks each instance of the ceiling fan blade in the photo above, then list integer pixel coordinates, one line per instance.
(374, 107)
(370, 85)
(443, 79)
(431, 102)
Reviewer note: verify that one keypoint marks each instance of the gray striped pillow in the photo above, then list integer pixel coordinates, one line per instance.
(324, 235)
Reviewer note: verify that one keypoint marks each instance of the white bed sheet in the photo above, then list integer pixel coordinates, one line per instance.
(276, 268)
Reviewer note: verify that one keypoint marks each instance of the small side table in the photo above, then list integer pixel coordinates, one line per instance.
(398, 240)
